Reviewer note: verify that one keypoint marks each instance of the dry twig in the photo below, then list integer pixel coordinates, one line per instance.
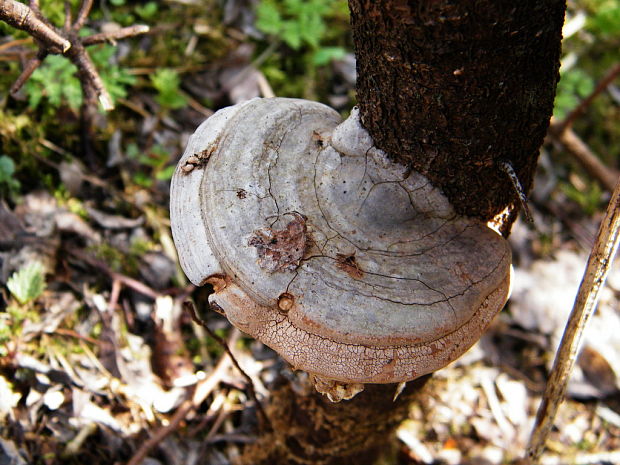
(578, 149)
(561, 132)
(189, 307)
(599, 263)
(65, 41)
(121, 278)
(585, 103)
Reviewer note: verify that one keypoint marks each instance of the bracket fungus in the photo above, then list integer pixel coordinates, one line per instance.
(350, 266)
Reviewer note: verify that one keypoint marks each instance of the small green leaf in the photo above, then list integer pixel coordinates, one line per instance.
(166, 173)
(27, 283)
(606, 20)
(147, 11)
(167, 82)
(326, 54)
(291, 34)
(7, 168)
(574, 84)
(7, 178)
(143, 180)
(268, 19)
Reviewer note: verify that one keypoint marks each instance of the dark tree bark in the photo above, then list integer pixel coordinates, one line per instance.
(451, 89)
(308, 429)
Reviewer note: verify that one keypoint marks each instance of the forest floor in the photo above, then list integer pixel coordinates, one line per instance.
(98, 361)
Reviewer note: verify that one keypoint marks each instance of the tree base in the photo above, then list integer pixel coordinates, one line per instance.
(308, 429)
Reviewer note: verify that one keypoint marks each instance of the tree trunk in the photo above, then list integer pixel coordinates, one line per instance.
(308, 429)
(450, 89)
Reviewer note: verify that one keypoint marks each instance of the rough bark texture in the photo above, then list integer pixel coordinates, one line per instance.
(311, 430)
(452, 88)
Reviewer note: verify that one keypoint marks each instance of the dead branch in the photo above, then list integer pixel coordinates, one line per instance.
(599, 263)
(113, 36)
(577, 148)
(585, 103)
(29, 68)
(189, 307)
(22, 17)
(121, 278)
(83, 14)
(28, 18)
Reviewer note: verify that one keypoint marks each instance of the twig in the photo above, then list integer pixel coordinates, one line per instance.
(577, 148)
(71, 333)
(82, 14)
(585, 103)
(115, 35)
(125, 280)
(14, 43)
(67, 24)
(205, 387)
(88, 75)
(67, 42)
(22, 17)
(599, 263)
(29, 68)
(189, 307)
(114, 295)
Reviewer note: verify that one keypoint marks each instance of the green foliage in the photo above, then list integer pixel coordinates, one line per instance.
(605, 19)
(147, 11)
(590, 52)
(167, 81)
(5, 336)
(55, 10)
(296, 22)
(574, 85)
(589, 199)
(299, 23)
(155, 164)
(8, 184)
(28, 283)
(56, 81)
(115, 78)
(324, 55)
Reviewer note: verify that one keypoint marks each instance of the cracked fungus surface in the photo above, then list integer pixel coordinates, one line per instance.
(385, 259)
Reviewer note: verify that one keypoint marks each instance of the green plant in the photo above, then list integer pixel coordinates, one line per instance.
(155, 164)
(147, 11)
(55, 79)
(299, 23)
(575, 84)
(588, 52)
(605, 18)
(167, 82)
(8, 184)
(28, 283)
(589, 198)
(6, 334)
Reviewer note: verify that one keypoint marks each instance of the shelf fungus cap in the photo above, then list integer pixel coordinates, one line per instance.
(349, 266)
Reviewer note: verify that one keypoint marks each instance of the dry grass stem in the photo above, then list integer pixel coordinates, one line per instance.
(599, 263)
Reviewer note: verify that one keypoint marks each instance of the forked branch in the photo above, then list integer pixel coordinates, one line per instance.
(65, 41)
